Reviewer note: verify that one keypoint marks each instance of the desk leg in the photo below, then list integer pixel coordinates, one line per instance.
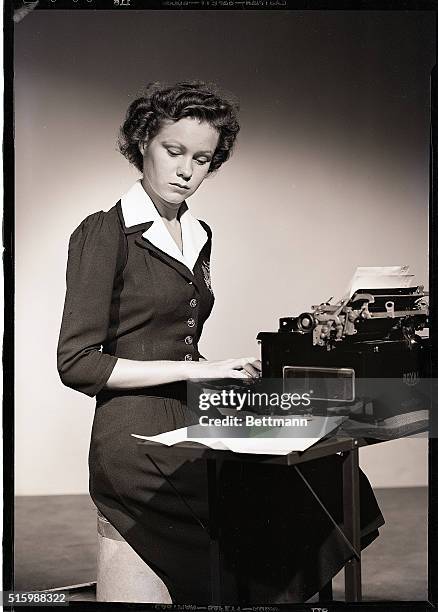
(350, 473)
(214, 529)
(326, 593)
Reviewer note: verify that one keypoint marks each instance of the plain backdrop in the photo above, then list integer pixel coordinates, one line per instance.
(330, 172)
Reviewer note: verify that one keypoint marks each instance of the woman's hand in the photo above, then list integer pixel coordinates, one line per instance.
(130, 374)
(245, 367)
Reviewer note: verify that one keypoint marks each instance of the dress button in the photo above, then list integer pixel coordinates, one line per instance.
(188, 357)
(191, 322)
(193, 303)
(188, 340)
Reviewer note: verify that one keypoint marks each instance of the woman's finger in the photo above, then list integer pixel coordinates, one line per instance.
(242, 361)
(239, 374)
(251, 370)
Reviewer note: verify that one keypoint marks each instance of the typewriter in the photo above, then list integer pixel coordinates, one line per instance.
(366, 356)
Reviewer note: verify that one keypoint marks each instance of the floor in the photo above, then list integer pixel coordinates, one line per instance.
(55, 546)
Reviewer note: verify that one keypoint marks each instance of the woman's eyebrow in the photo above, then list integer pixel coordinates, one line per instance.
(173, 143)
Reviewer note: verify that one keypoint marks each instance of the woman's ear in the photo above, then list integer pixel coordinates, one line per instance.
(142, 147)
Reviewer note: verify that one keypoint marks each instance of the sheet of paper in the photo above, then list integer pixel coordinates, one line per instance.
(380, 277)
(258, 442)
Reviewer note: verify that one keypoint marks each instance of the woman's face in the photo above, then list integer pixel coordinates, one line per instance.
(177, 159)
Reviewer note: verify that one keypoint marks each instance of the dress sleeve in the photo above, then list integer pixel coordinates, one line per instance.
(93, 256)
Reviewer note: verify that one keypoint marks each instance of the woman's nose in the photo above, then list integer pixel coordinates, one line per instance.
(185, 170)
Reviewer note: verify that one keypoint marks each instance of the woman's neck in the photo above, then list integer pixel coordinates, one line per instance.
(166, 210)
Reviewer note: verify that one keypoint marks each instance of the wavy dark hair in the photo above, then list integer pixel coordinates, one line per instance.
(195, 99)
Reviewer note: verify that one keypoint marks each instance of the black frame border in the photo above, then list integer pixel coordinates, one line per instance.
(9, 293)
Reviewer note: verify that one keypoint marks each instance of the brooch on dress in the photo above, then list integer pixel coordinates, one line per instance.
(207, 278)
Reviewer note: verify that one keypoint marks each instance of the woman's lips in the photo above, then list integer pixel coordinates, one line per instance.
(183, 187)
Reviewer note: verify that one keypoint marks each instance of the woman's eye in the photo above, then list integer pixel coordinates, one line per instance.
(172, 153)
(202, 161)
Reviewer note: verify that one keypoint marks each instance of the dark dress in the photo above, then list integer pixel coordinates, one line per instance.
(127, 298)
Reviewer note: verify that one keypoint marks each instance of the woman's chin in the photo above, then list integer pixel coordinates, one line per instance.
(174, 198)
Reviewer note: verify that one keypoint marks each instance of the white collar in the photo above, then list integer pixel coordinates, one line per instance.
(137, 208)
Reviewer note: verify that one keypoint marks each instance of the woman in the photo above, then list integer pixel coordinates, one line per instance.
(138, 294)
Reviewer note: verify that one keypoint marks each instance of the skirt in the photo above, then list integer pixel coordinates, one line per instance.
(277, 545)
